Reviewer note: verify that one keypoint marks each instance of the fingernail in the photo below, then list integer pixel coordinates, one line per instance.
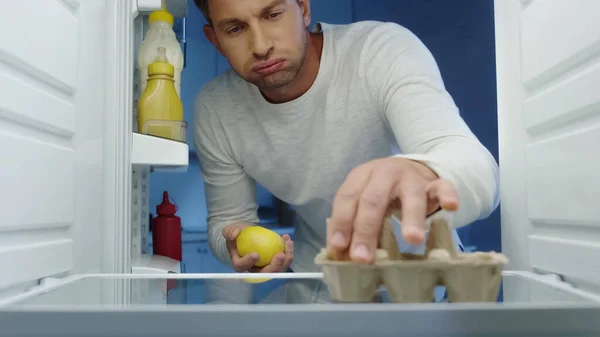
(254, 256)
(413, 235)
(361, 252)
(338, 240)
(451, 204)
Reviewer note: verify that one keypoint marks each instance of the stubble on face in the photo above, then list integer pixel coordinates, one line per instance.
(284, 77)
(266, 43)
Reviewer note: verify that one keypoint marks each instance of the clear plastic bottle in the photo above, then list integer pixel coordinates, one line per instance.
(160, 34)
(159, 103)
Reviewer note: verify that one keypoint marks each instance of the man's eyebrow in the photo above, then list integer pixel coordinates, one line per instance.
(228, 21)
(273, 3)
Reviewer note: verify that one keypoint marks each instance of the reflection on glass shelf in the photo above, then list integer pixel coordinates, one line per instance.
(287, 289)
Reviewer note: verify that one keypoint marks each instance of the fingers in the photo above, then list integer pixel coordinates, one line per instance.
(417, 202)
(241, 263)
(345, 204)
(333, 245)
(372, 207)
(288, 252)
(281, 261)
(231, 232)
(277, 265)
(443, 194)
(364, 198)
(414, 210)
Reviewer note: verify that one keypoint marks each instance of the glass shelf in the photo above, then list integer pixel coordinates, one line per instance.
(207, 289)
(294, 305)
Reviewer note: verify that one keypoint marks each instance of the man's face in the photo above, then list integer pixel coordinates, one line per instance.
(263, 40)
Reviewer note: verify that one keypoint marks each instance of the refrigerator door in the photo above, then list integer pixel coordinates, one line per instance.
(52, 110)
(548, 69)
(293, 305)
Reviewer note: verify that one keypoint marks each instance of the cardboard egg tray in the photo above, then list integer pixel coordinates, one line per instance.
(410, 278)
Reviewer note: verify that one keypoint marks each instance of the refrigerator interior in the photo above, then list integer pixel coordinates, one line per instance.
(80, 178)
(461, 38)
(472, 52)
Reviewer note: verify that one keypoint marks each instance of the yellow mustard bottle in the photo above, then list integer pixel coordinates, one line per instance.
(159, 104)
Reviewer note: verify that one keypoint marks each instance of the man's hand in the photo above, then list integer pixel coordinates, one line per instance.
(280, 262)
(363, 200)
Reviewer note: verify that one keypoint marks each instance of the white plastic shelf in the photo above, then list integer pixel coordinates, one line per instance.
(155, 264)
(159, 153)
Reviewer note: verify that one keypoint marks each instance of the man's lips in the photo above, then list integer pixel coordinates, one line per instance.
(268, 67)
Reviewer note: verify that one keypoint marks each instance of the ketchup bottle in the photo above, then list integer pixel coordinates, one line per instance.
(166, 230)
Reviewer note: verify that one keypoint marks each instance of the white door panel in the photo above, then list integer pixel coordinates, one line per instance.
(41, 38)
(548, 61)
(556, 35)
(51, 132)
(549, 111)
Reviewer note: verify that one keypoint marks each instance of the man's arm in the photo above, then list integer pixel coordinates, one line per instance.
(403, 75)
(230, 193)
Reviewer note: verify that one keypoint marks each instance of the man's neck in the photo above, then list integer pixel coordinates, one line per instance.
(306, 76)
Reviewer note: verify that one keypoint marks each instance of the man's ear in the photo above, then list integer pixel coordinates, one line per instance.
(210, 34)
(305, 6)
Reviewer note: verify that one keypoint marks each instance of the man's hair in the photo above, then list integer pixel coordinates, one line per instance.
(203, 6)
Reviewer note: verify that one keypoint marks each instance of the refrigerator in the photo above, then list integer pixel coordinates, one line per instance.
(74, 178)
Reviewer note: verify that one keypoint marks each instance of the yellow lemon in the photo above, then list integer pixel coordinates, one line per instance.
(256, 280)
(263, 241)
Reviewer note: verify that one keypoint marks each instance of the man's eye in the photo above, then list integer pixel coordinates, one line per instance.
(274, 15)
(233, 30)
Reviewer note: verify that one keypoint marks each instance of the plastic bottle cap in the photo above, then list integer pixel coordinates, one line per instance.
(161, 15)
(161, 66)
(166, 208)
(161, 54)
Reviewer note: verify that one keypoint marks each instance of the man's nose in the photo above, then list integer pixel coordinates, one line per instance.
(261, 44)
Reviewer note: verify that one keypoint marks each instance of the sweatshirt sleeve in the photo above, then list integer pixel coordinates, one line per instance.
(403, 75)
(230, 193)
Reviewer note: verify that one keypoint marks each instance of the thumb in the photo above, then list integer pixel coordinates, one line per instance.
(230, 232)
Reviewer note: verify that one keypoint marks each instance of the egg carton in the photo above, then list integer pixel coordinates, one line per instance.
(411, 278)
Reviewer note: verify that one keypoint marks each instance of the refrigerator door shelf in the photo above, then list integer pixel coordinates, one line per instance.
(159, 153)
(155, 264)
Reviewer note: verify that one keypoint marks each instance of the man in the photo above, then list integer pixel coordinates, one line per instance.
(316, 118)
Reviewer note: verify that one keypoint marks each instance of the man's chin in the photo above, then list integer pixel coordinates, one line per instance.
(273, 86)
(272, 82)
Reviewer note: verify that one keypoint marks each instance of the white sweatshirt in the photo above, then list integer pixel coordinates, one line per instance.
(378, 93)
